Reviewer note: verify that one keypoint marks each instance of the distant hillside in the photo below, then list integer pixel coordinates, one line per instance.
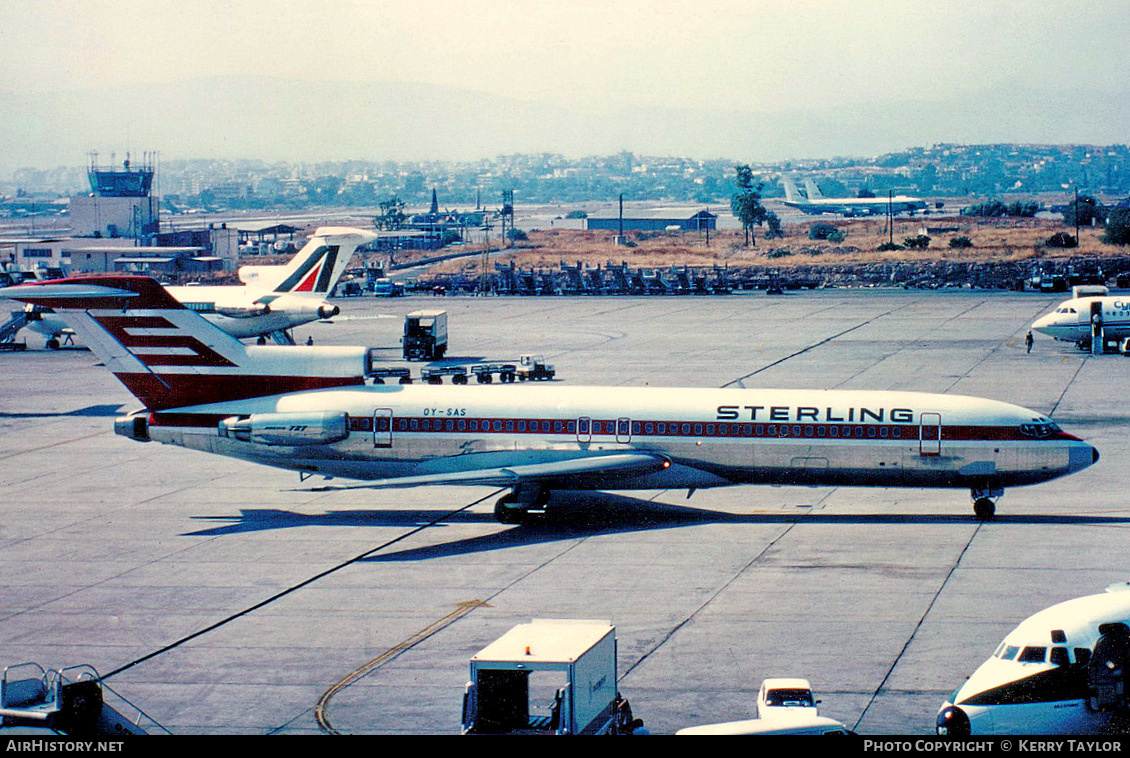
(277, 119)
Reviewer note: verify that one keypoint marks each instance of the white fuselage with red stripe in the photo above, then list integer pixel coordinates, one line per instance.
(311, 409)
(712, 437)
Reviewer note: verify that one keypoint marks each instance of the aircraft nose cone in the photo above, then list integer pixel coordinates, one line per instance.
(1041, 324)
(953, 722)
(1082, 456)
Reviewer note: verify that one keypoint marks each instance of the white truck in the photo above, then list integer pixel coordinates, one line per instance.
(425, 335)
(785, 697)
(548, 677)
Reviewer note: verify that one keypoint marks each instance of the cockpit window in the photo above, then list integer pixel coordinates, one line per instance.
(1066, 310)
(1033, 655)
(1059, 656)
(1009, 653)
(1039, 429)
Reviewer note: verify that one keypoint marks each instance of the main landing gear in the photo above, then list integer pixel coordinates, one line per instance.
(521, 505)
(985, 501)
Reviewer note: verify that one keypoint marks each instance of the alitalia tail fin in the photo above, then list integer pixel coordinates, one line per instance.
(316, 268)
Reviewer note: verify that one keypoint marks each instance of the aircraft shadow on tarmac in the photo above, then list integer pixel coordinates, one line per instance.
(91, 411)
(574, 515)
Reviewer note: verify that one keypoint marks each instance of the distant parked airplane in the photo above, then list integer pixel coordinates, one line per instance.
(272, 300)
(815, 203)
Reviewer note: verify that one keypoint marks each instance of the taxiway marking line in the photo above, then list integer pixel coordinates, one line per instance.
(53, 444)
(918, 626)
(291, 589)
(320, 710)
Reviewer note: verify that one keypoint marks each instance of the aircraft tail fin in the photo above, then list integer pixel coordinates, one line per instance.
(792, 194)
(813, 191)
(315, 269)
(169, 356)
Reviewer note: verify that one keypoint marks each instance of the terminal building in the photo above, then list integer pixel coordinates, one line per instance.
(116, 228)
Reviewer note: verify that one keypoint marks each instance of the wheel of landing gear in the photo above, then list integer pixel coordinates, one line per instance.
(507, 515)
(984, 508)
(52, 344)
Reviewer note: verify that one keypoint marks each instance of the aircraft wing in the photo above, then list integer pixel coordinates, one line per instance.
(591, 468)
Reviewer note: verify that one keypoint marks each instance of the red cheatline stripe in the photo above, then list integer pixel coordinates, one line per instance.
(608, 427)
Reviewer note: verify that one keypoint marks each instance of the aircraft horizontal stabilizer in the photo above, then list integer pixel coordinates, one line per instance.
(58, 290)
(596, 467)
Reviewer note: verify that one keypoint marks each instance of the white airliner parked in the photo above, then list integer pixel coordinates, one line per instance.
(273, 299)
(1073, 320)
(1062, 671)
(815, 203)
(309, 409)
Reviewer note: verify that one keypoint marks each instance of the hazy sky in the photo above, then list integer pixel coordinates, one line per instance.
(70, 70)
(747, 55)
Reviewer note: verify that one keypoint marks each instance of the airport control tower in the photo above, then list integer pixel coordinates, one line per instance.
(120, 203)
(127, 181)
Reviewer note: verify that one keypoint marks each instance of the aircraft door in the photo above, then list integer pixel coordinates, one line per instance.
(623, 430)
(382, 427)
(1109, 669)
(584, 429)
(930, 434)
(1098, 337)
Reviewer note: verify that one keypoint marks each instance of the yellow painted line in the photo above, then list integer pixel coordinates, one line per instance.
(320, 709)
(53, 444)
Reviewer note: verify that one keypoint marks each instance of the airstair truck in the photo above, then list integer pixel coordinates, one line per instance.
(548, 677)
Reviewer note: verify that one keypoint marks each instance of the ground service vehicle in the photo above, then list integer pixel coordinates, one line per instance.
(385, 287)
(435, 375)
(72, 701)
(548, 677)
(801, 725)
(425, 335)
(535, 369)
(484, 372)
(785, 697)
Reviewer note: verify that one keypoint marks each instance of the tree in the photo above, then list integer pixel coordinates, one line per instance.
(1085, 212)
(1118, 228)
(746, 203)
(824, 231)
(392, 214)
(774, 222)
(1060, 239)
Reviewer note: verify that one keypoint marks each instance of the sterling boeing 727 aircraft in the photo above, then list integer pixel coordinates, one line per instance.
(273, 300)
(309, 409)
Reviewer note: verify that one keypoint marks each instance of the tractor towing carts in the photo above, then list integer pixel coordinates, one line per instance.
(548, 677)
(534, 368)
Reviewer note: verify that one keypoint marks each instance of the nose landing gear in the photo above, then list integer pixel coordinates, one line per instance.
(985, 501)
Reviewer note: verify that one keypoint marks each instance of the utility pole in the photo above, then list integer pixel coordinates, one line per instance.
(891, 216)
(1076, 217)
